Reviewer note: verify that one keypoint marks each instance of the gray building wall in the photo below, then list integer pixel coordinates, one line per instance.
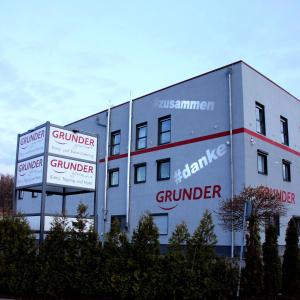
(277, 102)
(193, 133)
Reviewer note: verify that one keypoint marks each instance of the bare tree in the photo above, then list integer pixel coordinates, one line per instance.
(6, 193)
(265, 204)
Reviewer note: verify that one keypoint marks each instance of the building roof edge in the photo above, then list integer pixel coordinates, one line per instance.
(186, 80)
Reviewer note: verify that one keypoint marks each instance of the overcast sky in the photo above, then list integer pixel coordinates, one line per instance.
(64, 60)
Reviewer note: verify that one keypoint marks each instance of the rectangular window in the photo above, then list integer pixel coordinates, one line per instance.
(275, 221)
(286, 170)
(121, 220)
(113, 177)
(140, 173)
(21, 195)
(260, 118)
(277, 224)
(161, 221)
(163, 169)
(164, 130)
(141, 136)
(297, 220)
(34, 194)
(284, 131)
(115, 142)
(262, 162)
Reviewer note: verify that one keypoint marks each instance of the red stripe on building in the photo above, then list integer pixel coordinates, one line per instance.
(271, 142)
(205, 138)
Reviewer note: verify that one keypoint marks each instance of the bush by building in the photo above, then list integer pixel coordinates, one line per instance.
(17, 257)
(71, 263)
(291, 261)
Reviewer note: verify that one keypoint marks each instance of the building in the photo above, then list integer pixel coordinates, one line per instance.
(191, 144)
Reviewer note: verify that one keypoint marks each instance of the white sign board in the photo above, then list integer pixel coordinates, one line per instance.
(73, 145)
(72, 173)
(30, 172)
(32, 143)
(69, 223)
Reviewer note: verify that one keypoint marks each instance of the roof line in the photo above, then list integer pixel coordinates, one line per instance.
(186, 80)
(192, 78)
(266, 77)
(159, 90)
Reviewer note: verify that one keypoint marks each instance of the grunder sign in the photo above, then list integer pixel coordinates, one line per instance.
(32, 143)
(69, 172)
(70, 144)
(63, 157)
(30, 172)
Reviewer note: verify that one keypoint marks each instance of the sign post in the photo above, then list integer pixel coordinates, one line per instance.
(54, 159)
(246, 215)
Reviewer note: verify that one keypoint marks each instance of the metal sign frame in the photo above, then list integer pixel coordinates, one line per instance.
(44, 188)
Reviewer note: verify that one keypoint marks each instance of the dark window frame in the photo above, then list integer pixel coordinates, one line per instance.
(162, 215)
(113, 144)
(110, 172)
(275, 221)
(119, 218)
(138, 126)
(286, 166)
(284, 131)
(297, 220)
(20, 194)
(261, 129)
(135, 172)
(158, 171)
(263, 154)
(160, 132)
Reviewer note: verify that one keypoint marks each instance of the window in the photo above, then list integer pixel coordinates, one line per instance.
(275, 221)
(115, 142)
(161, 221)
(164, 130)
(121, 220)
(113, 177)
(262, 162)
(21, 195)
(141, 136)
(284, 131)
(260, 118)
(163, 169)
(286, 170)
(34, 194)
(140, 173)
(297, 221)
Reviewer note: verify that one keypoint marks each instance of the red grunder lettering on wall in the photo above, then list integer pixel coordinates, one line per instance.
(194, 193)
(287, 197)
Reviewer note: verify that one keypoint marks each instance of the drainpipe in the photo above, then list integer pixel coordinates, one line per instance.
(106, 171)
(128, 165)
(231, 152)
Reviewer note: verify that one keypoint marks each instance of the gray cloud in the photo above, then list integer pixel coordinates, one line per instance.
(49, 91)
(93, 81)
(8, 73)
(16, 98)
(24, 104)
(94, 61)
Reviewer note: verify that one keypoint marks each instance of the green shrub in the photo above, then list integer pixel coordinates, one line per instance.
(17, 256)
(291, 261)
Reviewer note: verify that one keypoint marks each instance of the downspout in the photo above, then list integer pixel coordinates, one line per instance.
(128, 164)
(15, 191)
(231, 152)
(106, 172)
